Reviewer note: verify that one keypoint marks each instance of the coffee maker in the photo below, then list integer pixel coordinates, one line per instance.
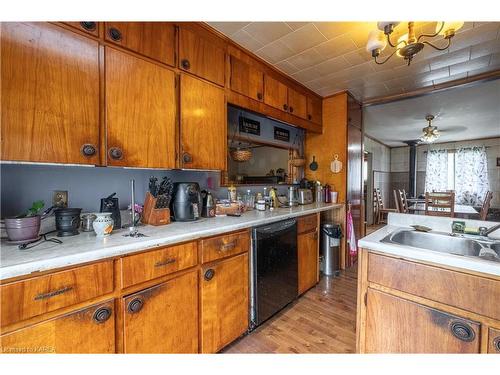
(186, 204)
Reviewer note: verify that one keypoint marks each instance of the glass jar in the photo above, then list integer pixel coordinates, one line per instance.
(261, 205)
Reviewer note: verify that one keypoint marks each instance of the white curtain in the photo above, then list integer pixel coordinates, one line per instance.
(436, 172)
(471, 175)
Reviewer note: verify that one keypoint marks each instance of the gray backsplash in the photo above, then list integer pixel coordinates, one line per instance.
(21, 184)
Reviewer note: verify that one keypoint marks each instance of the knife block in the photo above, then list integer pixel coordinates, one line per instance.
(152, 215)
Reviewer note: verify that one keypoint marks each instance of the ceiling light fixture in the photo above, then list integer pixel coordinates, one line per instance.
(408, 45)
(431, 134)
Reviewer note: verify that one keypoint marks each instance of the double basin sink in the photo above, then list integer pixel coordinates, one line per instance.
(482, 248)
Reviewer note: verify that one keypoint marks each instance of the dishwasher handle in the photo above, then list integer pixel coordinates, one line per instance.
(275, 228)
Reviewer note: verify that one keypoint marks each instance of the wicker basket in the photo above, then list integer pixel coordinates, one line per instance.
(298, 162)
(241, 154)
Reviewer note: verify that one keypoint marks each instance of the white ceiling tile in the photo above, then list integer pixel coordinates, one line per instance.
(359, 34)
(228, 28)
(477, 35)
(267, 32)
(480, 62)
(485, 48)
(245, 40)
(306, 59)
(450, 58)
(306, 75)
(357, 57)
(432, 75)
(275, 52)
(332, 66)
(303, 38)
(286, 67)
(450, 78)
(334, 29)
(296, 25)
(336, 47)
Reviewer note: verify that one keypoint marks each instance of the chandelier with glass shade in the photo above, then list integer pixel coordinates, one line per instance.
(430, 133)
(408, 45)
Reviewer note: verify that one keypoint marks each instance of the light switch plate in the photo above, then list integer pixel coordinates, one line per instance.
(60, 198)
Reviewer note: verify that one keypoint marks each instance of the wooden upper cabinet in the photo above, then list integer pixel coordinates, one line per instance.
(164, 318)
(89, 27)
(140, 112)
(396, 325)
(314, 110)
(297, 103)
(275, 93)
(201, 56)
(91, 330)
(203, 125)
(224, 302)
(152, 39)
(494, 341)
(307, 247)
(49, 94)
(246, 79)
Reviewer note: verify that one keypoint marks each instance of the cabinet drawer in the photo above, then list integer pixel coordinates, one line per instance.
(468, 292)
(147, 266)
(307, 223)
(224, 246)
(28, 298)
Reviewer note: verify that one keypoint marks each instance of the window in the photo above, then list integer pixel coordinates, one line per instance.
(451, 170)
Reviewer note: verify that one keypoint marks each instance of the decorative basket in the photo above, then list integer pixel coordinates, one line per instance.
(241, 154)
(298, 162)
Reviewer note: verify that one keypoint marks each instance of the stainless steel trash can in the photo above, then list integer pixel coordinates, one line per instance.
(330, 246)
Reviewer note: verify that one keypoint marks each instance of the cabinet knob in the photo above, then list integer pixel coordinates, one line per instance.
(115, 34)
(496, 343)
(259, 95)
(285, 107)
(309, 117)
(209, 274)
(462, 331)
(135, 305)
(89, 26)
(187, 158)
(185, 64)
(88, 150)
(101, 314)
(291, 109)
(115, 153)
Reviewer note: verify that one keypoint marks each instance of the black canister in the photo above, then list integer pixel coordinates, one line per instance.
(67, 221)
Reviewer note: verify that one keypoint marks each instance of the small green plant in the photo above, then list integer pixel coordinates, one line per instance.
(35, 208)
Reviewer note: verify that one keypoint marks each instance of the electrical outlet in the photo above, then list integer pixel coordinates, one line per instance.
(60, 198)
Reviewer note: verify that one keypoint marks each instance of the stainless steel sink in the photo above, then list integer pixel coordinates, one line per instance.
(445, 243)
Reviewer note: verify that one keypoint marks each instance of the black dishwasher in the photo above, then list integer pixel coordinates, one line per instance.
(274, 269)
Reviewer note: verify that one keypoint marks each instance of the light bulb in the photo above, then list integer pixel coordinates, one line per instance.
(449, 27)
(388, 26)
(402, 41)
(376, 40)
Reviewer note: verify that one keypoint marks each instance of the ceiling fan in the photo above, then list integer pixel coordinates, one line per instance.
(430, 133)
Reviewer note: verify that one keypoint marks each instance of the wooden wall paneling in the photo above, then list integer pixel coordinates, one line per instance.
(49, 94)
(297, 103)
(152, 39)
(275, 93)
(140, 112)
(90, 330)
(201, 56)
(203, 126)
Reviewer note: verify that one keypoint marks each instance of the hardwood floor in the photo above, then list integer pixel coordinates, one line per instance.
(323, 320)
(372, 228)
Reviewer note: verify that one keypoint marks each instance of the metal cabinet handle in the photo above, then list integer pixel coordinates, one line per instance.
(115, 34)
(259, 95)
(89, 26)
(88, 150)
(185, 64)
(462, 331)
(101, 315)
(187, 158)
(53, 293)
(135, 305)
(291, 109)
(115, 153)
(309, 117)
(165, 262)
(496, 343)
(228, 246)
(209, 274)
(285, 107)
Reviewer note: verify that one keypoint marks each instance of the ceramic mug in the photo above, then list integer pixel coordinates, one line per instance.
(103, 224)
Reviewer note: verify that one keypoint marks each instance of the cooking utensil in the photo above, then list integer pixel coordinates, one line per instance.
(313, 166)
(87, 220)
(153, 186)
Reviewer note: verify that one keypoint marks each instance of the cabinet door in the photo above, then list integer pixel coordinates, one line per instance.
(203, 125)
(140, 112)
(89, 27)
(275, 93)
(164, 318)
(91, 330)
(307, 246)
(494, 340)
(246, 79)
(224, 302)
(152, 39)
(201, 56)
(297, 103)
(314, 110)
(396, 325)
(49, 94)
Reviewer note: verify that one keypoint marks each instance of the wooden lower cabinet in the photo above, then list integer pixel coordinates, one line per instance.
(307, 247)
(224, 302)
(397, 325)
(163, 318)
(90, 330)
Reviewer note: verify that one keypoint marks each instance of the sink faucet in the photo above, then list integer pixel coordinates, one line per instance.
(483, 231)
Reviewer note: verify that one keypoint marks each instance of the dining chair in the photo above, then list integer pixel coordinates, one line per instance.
(396, 200)
(440, 204)
(381, 209)
(402, 202)
(486, 206)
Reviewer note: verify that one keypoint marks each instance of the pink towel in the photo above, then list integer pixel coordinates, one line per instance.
(351, 238)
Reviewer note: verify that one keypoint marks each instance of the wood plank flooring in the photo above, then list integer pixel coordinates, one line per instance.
(323, 320)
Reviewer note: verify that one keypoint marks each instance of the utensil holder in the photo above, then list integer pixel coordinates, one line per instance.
(152, 215)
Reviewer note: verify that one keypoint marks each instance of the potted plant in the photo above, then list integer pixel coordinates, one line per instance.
(25, 227)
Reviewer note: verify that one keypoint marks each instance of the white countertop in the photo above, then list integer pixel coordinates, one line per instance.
(86, 247)
(399, 221)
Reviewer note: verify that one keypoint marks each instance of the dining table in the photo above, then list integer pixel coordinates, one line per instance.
(461, 210)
